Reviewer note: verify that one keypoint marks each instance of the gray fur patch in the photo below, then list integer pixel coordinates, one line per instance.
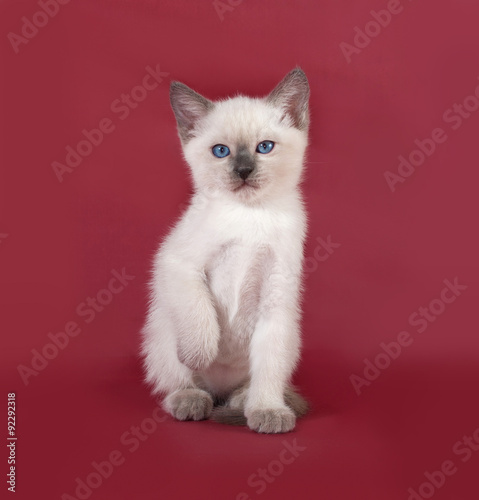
(272, 421)
(228, 416)
(231, 412)
(189, 107)
(242, 159)
(292, 95)
(189, 404)
(296, 402)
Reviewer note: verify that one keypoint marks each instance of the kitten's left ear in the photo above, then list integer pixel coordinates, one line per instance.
(292, 95)
(189, 107)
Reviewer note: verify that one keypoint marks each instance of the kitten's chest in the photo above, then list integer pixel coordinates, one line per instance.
(237, 274)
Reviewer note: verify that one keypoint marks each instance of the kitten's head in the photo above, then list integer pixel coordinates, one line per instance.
(249, 148)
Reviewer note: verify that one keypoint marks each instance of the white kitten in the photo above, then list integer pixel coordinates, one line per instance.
(223, 323)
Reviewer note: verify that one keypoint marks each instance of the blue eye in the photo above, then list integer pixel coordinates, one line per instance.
(265, 147)
(220, 150)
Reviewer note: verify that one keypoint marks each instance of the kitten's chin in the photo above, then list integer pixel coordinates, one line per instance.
(245, 186)
(246, 191)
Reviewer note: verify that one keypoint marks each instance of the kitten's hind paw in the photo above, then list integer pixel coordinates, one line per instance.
(272, 421)
(189, 404)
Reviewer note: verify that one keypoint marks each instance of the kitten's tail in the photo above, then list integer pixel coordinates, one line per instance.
(229, 416)
(235, 416)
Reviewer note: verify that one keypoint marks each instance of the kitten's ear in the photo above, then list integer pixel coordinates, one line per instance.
(189, 107)
(292, 95)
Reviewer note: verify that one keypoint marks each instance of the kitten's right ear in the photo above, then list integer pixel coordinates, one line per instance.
(292, 95)
(189, 107)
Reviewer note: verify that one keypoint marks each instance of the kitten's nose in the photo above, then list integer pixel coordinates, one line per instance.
(243, 162)
(243, 171)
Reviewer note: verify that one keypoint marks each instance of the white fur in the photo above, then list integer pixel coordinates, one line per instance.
(201, 330)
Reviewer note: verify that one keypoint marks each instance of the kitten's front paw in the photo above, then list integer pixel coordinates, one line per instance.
(196, 359)
(189, 404)
(272, 421)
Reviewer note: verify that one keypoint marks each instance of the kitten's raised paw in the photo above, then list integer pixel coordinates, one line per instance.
(189, 404)
(272, 421)
(196, 358)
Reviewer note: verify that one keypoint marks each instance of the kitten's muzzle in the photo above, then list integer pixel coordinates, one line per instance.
(243, 163)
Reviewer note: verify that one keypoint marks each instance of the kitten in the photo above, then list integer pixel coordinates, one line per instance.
(222, 335)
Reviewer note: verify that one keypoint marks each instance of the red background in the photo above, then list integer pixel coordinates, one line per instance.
(396, 248)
